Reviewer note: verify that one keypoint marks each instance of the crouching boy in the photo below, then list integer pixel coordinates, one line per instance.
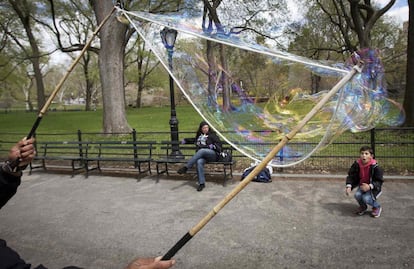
(366, 175)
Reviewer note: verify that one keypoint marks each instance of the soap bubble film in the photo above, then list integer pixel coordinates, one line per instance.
(252, 96)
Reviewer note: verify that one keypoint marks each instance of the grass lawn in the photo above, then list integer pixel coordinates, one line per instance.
(148, 119)
(55, 124)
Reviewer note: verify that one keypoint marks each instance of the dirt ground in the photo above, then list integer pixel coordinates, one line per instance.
(293, 222)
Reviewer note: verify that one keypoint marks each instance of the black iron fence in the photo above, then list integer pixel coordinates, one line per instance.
(394, 148)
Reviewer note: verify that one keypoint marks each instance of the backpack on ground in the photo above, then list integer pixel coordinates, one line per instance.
(263, 176)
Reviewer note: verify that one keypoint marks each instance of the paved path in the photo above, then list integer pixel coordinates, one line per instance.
(103, 222)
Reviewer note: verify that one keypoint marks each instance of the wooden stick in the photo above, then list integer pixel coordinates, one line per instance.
(59, 85)
(193, 231)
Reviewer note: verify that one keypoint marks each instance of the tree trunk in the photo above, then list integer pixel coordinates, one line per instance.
(315, 83)
(111, 68)
(224, 79)
(88, 93)
(212, 75)
(364, 15)
(141, 74)
(23, 11)
(88, 81)
(138, 103)
(409, 86)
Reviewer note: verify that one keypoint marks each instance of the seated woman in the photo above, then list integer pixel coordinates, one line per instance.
(208, 147)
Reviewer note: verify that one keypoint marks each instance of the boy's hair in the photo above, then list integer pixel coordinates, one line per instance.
(366, 148)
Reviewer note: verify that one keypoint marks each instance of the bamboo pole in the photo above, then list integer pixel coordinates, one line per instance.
(193, 231)
(59, 85)
(63, 79)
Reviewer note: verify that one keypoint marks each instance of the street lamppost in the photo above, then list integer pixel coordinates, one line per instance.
(168, 37)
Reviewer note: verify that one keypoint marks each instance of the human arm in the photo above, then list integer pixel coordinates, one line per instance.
(23, 152)
(352, 179)
(188, 140)
(214, 142)
(377, 179)
(348, 190)
(150, 263)
(9, 175)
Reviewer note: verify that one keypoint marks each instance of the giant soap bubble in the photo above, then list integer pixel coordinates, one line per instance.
(252, 95)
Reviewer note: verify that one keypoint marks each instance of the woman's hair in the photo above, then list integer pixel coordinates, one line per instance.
(203, 123)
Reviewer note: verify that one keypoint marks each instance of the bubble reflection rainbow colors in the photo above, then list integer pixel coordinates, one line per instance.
(252, 95)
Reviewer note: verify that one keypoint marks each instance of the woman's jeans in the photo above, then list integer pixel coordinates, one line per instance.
(200, 158)
(365, 198)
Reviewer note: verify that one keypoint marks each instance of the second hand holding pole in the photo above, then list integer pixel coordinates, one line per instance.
(193, 231)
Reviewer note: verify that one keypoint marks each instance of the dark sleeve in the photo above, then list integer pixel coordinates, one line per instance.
(353, 175)
(215, 140)
(378, 178)
(10, 258)
(8, 187)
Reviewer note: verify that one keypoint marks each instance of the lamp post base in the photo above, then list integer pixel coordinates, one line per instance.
(176, 154)
(175, 147)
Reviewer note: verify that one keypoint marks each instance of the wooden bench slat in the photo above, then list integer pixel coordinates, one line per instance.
(137, 152)
(60, 150)
(84, 152)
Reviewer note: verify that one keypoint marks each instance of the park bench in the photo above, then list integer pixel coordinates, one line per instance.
(53, 153)
(187, 151)
(135, 152)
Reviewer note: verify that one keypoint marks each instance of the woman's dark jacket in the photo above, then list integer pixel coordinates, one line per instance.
(375, 178)
(212, 139)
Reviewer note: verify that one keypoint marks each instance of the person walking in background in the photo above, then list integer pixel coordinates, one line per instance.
(10, 179)
(208, 148)
(367, 176)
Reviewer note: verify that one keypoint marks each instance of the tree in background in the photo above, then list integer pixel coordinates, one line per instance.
(361, 17)
(72, 26)
(348, 24)
(354, 17)
(137, 52)
(329, 33)
(335, 29)
(25, 12)
(252, 17)
(14, 66)
(111, 67)
(113, 39)
(143, 61)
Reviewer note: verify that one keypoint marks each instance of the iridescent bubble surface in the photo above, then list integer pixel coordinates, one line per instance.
(252, 96)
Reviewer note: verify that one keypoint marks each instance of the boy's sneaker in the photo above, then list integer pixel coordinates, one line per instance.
(361, 210)
(376, 212)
